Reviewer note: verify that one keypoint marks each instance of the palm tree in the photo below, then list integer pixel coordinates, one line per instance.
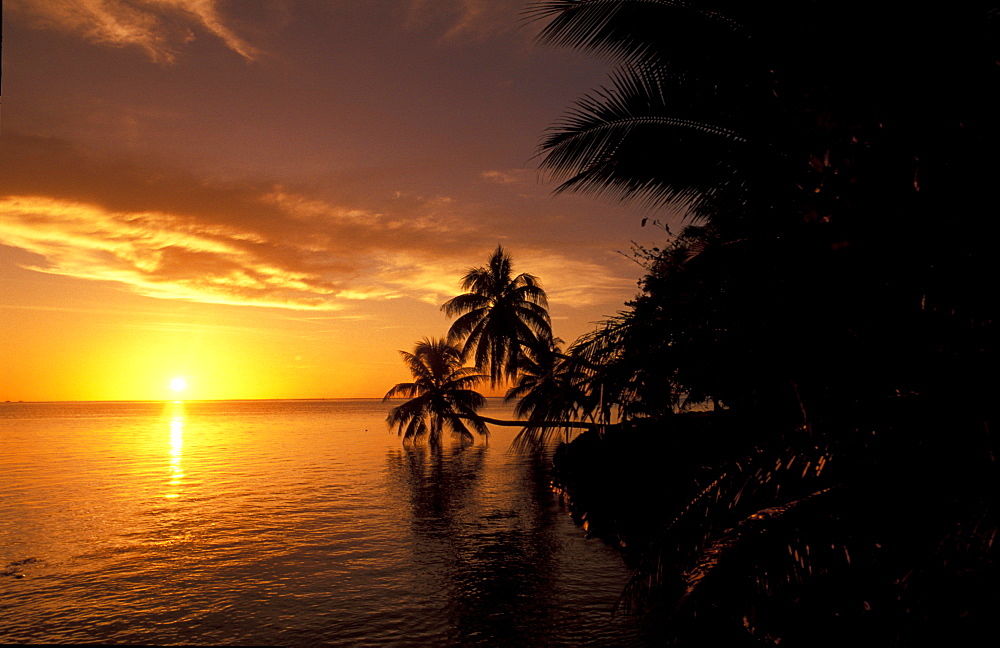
(550, 393)
(441, 395)
(675, 127)
(498, 315)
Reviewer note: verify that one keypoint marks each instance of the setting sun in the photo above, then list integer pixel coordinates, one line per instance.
(178, 384)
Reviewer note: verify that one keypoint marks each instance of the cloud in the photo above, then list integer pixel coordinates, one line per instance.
(205, 13)
(157, 254)
(168, 234)
(473, 17)
(160, 28)
(503, 177)
(464, 20)
(573, 282)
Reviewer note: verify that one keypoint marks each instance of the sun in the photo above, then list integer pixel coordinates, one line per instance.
(178, 384)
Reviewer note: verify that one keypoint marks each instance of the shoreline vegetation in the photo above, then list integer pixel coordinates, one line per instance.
(828, 297)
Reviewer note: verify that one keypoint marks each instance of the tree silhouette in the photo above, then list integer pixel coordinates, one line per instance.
(499, 315)
(550, 392)
(821, 174)
(839, 157)
(441, 395)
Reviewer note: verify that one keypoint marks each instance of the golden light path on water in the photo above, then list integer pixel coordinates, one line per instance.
(176, 448)
(285, 523)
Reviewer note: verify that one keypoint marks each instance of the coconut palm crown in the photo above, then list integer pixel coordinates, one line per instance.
(498, 315)
(440, 397)
(550, 396)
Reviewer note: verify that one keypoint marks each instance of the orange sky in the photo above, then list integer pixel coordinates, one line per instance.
(270, 198)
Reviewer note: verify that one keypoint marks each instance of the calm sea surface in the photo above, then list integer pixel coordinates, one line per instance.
(285, 523)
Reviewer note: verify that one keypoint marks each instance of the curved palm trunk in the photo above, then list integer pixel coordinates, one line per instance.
(554, 424)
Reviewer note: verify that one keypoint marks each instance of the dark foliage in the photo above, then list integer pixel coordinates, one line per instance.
(835, 295)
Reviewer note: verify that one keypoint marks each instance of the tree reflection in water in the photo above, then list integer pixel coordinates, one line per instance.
(483, 534)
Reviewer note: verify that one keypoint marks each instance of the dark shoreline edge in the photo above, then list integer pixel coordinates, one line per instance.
(907, 505)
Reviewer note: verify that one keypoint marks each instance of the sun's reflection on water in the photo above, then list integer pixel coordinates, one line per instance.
(177, 419)
(212, 514)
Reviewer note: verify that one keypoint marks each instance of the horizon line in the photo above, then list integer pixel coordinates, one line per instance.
(202, 400)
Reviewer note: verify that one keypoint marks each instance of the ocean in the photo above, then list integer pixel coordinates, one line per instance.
(286, 523)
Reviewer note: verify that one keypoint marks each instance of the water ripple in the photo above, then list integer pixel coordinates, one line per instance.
(282, 523)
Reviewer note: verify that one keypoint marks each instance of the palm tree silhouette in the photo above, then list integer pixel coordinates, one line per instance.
(550, 391)
(441, 395)
(672, 129)
(498, 315)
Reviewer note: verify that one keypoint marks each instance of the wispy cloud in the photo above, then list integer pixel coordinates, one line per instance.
(160, 28)
(166, 234)
(158, 254)
(206, 14)
(573, 282)
(503, 177)
(464, 20)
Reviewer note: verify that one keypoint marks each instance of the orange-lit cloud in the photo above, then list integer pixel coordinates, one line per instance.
(168, 235)
(346, 181)
(504, 177)
(464, 19)
(176, 257)
(157, 254)
(160, 28)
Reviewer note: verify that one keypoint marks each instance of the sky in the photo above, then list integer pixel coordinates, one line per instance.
(270, 198)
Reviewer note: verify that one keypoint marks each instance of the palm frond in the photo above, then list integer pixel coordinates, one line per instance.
(635, 142)
(748, 499)
(402, 390)
(464, 303)
(441, 394)
(499, 314)
(636, 31)
(727, 542)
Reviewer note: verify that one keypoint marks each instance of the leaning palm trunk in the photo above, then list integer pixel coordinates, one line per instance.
(580, 425)
(441, 399)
